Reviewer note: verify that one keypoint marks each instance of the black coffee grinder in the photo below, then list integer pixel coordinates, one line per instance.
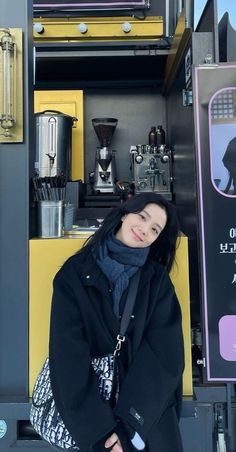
(104, 172)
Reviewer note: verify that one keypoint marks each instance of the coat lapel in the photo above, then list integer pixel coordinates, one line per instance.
(96, 282)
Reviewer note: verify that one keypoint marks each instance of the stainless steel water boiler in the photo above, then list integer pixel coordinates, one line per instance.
(53, 143)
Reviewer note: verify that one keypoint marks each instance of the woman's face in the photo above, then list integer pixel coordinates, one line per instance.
(139, 230)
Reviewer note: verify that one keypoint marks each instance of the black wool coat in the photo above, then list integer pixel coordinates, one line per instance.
(83, 326)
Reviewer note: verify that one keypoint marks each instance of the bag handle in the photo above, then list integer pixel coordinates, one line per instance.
(52, 111)
(73, 118)
(132, 292)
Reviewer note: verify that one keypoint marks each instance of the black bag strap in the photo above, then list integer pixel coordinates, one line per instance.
(125, 319)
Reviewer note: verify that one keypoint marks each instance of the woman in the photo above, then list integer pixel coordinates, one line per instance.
(88, 299)
(229, 161)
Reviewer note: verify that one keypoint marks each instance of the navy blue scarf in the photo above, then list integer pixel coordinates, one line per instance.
(119, 262)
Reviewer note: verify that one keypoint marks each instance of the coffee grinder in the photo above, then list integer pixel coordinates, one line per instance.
(104, 172)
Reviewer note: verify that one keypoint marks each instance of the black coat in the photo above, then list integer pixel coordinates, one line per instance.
(229, 158)
(83, 325)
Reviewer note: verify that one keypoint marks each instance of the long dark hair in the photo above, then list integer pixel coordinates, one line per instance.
(163, 249)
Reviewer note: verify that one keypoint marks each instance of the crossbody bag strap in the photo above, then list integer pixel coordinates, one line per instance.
(128, 309)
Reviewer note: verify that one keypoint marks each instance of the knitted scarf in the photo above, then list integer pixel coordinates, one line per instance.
(119, 262)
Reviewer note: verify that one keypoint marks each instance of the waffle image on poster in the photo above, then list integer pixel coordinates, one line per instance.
(227, 336)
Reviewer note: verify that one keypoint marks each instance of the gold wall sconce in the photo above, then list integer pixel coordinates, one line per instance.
(11, 85)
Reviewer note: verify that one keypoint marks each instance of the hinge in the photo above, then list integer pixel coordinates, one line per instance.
(187, 97)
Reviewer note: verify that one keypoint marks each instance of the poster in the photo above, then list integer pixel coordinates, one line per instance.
(215, 124)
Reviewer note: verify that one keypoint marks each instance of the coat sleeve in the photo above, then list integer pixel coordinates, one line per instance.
(74, 384)
(155, 373)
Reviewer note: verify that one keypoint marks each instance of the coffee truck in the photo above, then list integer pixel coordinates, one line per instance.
(82, 86)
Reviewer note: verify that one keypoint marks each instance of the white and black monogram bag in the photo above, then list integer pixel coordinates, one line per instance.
(44, 415)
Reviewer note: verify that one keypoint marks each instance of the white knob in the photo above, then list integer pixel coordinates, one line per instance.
(38, 27)
(82, 27)
(126, 27)
(165, 158)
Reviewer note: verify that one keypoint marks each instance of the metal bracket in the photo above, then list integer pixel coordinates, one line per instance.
(221, 446)
(202, 362)
(187, 97)
(208, 58)
(220, 427)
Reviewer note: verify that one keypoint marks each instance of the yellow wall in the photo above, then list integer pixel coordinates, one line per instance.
(46, 257)
(180, 279)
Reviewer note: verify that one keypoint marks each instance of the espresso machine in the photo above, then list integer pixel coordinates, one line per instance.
(104, 172)
(151, 168)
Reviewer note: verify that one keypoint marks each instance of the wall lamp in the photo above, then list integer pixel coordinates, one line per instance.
(11, 89)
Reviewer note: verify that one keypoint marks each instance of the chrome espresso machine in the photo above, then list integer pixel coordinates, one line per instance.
(151, 169)
(104, 175)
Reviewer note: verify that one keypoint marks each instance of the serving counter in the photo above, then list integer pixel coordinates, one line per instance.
(46, 257)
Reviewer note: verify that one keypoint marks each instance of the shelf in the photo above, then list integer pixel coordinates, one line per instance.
(101, 64)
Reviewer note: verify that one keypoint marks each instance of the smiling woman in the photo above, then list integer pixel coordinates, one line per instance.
(162, 250)
(139, 230)
(89, 301)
